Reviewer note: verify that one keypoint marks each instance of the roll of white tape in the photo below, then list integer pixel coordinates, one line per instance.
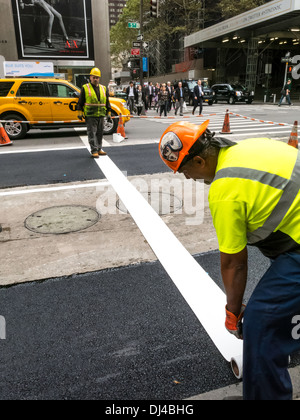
(237, 366)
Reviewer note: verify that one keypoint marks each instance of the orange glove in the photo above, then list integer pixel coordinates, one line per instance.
(234, 324)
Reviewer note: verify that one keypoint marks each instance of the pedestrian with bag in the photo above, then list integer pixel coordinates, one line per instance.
(94, 106)
(140, 100)
(254, 200)
(286, 93)
(163, 100)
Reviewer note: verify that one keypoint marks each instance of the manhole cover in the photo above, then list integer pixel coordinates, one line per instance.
(62, 219)
(162, 203)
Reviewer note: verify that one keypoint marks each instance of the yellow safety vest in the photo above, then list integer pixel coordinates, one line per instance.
(92, 107)
(255, 199)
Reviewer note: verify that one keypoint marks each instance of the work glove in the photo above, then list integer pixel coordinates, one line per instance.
(80, 117)
(109, 116)
(234, 324)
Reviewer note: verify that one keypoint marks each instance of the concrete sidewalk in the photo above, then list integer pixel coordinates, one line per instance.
(237, 389)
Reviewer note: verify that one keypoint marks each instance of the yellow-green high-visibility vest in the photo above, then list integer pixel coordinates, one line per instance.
(255, 197)
(92, 107)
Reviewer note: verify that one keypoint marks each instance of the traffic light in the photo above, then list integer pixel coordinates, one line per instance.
(290, 71)
(154, 8)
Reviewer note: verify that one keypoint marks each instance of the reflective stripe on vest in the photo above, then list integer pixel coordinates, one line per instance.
(290, 188)
(92, 107)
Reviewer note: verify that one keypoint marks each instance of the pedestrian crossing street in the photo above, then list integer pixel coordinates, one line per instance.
(241, 127)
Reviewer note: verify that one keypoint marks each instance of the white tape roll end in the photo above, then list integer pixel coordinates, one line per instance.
(237, 366)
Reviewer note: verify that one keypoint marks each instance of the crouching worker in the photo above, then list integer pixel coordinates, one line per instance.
(254, 200)
(94, 106)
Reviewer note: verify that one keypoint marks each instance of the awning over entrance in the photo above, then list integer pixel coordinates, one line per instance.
(249, 47)
(275, 16)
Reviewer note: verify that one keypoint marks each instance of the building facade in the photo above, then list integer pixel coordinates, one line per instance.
(74, 44)
(115, 9)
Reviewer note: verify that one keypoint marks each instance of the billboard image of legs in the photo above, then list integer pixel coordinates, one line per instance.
(59, 29)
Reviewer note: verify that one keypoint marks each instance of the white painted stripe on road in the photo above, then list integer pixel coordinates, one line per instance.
(52, 189)
(53, 149)
(201, 293)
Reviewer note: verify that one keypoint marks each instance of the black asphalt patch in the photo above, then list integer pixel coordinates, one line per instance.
(42, 168)
(51, 167)
(117, 334)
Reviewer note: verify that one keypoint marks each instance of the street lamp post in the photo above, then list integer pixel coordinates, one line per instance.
(142, 47)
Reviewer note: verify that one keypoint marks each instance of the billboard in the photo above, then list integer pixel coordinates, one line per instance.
(57, 29)
(28, 69)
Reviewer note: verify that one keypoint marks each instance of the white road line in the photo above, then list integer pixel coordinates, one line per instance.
(53, 149)
(199, 290)
(52, 189)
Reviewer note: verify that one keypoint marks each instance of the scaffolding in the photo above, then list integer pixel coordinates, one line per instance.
(252, 62)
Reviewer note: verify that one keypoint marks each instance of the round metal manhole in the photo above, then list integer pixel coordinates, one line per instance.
(62, 219)
(162, 203)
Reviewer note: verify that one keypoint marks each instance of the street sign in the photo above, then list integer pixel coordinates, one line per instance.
(136, 52)
(140, 37)
(146, 45)
(136, 44)
(286, 60)
(145, 64)
(134, 25)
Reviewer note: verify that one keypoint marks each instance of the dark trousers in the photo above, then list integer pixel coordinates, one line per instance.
(164, 108)
(95, 128)
(198, 102)
(270, 333)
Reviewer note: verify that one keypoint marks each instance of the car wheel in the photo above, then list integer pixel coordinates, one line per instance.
(249, 101)
(111, 125)
(15, 130)
(231, 100)
(210, 103)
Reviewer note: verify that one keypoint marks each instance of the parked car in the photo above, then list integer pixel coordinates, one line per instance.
(46, 104)
(188, 87)
(232, 93)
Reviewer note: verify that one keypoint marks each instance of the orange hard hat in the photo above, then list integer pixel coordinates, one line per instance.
(177, 141)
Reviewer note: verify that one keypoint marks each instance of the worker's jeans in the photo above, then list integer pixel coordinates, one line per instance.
(95, 133)
(272, 331)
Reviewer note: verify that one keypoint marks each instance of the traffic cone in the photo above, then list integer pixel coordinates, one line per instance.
(293, 140)
(121, 128)
(226, 126)
(4, 139)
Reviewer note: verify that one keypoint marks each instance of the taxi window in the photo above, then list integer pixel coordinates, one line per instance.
(31, 89)
(58, 90)
(5, 88)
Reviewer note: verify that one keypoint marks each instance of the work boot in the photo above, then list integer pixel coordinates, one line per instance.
(95, 155)
(101, 153)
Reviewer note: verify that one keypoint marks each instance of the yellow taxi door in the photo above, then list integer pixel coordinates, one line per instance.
(63, 101)
(32, 97)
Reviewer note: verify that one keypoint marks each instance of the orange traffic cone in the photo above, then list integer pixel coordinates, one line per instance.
(226, 126)
(121, 128)
(4, 139)
(293, 140)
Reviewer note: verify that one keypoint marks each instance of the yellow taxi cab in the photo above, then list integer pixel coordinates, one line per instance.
(46, 104)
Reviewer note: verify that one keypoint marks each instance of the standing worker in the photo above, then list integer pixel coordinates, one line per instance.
(254, 200)
(94, 106)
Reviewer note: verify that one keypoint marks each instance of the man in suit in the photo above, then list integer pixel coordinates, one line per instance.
(198, 97)
(179, 99)
(170, 89)
(131, 95)
(150, 94)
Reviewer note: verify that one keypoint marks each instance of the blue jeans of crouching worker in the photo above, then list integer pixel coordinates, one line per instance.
(271, 334)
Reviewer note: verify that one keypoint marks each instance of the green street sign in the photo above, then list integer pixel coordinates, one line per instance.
(134, 25)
